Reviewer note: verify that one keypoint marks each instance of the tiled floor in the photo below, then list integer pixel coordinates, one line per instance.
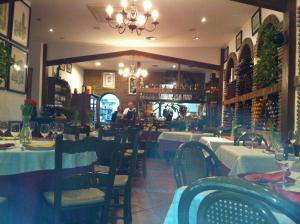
(152, 196)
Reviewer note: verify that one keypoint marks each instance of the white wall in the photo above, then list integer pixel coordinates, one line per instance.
(75, 79)
(247, 31)
(65, 50)
(10, 103)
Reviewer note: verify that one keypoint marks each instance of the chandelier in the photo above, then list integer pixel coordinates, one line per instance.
(133, 71)
(129, 17)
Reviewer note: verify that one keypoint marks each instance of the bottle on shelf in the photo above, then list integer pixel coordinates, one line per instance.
(83, 90)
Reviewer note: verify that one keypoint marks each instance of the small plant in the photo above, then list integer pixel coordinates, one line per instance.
(267, 69)
(5, 61)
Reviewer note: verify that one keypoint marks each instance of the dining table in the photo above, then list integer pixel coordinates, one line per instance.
(27, 172)
(215, 142)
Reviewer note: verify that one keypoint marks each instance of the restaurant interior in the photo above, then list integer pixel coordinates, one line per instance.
(112, 113)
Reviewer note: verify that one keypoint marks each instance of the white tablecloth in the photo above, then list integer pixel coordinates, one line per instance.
(16, 161)
(240, 159)
(181, 136)
(214, 142)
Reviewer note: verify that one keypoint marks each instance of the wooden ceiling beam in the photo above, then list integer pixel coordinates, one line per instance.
(278, 5)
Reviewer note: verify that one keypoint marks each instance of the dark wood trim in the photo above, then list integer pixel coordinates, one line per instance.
(134, 53)
(277, 5)
(222, 69)
(44, 76)
(29, 83)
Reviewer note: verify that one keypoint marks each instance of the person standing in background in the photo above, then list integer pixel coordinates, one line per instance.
(130, 112)
(117, 115)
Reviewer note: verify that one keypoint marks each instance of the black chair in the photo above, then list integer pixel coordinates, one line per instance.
(258, 140)
(194, 160)
(84, 190)
(234, 201)
(4, 209)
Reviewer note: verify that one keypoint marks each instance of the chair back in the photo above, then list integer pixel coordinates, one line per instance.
(103, 181)
(258, 140)
(235, 201)
(194, 160)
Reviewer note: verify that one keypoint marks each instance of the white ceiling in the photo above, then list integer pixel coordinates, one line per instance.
(72, 21)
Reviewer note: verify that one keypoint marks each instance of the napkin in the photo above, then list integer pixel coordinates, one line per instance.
(40, 145)
(268, 177)
(9, 138)
(228, 137)
(291, 195)
(5, 146)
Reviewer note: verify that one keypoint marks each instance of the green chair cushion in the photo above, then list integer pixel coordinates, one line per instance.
(77, 197)
(120, 180)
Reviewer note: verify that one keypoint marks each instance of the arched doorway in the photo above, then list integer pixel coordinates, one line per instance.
(108, 104)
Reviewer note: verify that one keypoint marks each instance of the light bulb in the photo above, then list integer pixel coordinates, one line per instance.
(124, 4)
(121, 65)
(126, 72)
(119, 18)
(144, 73)
(98, 63)
(141, 20)
(147, 5)
(121, 71)
(109, 10)
(155, 15)
(139, 72)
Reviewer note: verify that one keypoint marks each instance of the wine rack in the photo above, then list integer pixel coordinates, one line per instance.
(228, 116)
(245, 74)
(258, 113)
(231, 89)
(244, 113)
(272, 109)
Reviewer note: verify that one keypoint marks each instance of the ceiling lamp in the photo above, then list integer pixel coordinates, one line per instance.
(133, 71)
(130, 18)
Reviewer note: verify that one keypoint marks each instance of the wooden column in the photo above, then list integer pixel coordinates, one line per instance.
(44, 76)
(221, 84)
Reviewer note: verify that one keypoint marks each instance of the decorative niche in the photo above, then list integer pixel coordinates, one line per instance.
(230, 77)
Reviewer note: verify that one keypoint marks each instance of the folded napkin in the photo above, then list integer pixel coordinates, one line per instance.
(228, 137)
(40, 145)
(291, 195)
(9, 138)
(6, 145)
(268, 177)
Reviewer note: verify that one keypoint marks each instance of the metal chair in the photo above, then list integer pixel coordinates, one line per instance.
(234, 201)
(258, 140)
(194, 160)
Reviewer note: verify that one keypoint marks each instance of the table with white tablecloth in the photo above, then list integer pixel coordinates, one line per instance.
(214, 142)
(241, 159)
(25, 174)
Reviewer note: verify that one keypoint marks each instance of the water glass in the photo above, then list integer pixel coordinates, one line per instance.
(59, 128)
(45, 130)
(3, 127)
(15, 129)
(292, 136)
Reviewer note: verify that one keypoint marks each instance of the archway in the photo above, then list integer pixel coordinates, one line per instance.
(108, 104)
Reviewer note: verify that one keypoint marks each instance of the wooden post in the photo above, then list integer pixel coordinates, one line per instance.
(178, 84)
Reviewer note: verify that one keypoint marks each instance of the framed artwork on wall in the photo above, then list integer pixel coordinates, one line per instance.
(132, 85)
(4, 17)
(69, 68)
(238, 40)
(18, 71)
(109, 81)
(3, 83)
(256, 21)
(21, 22)
(62, 67)
(226, 53)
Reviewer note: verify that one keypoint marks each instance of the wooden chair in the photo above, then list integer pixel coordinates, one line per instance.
(194, 160)
(259, 141)
(85, 190)
(234, 201)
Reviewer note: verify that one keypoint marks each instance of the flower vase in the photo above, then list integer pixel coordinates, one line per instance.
(25, 133)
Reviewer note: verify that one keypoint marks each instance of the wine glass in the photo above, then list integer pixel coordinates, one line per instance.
(45, 130)
(292, 136)
(3, 127)
(252, 138)
(15, 129)
(220, 131)
(59, 128)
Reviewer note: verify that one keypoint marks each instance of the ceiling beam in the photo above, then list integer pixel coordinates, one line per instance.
(133, 53)
(278, 5)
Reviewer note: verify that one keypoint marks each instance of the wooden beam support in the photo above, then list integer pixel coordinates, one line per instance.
(277, 5)
(134, 53)
(44, 76)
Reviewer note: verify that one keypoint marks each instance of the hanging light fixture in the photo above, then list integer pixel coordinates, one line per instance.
(135, 70)
(129, 17)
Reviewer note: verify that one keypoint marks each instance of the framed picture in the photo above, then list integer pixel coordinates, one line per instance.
(4, 17)
(226, 53)
(256, 21)
(3, 83)
(132, 81)
(62, 67)
(69, 68)
(109, 81)
(18, 71)
(21, 21)
(238, 40)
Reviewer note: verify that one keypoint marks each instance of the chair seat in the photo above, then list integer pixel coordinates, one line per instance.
(101, 169)
(2, 199)
(120, 180)
(130, 151)
(77, 197)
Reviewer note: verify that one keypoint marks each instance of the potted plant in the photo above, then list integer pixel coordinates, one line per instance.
(5, 61)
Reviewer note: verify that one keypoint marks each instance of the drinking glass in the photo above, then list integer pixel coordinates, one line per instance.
(292, 136)
(220, 131)
(3, 127)
(45, 130)
(33, 125)
(15, 129)
(59, 128)
(252, 138)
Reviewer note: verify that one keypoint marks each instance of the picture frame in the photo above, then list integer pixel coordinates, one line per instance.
(62, 67)
(69, 68)
(132, 85)
(18, 71)
(226, 53)
(256, 21)
(109, 80)
(238, 40)
(21, 23)
(4, 19)
(3, 84)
